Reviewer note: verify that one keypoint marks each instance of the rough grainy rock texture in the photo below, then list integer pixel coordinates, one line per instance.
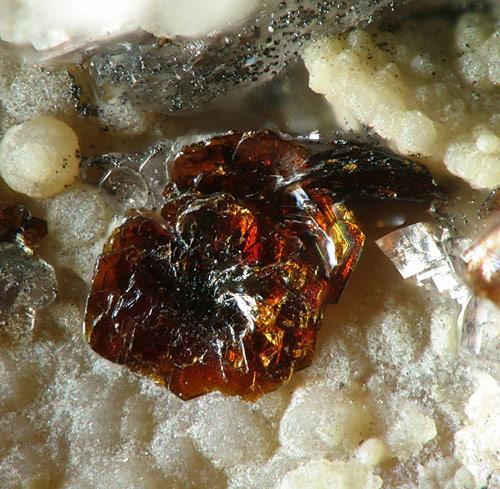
(476, 445)
(28, 90)
(322, 474)
(429, 87)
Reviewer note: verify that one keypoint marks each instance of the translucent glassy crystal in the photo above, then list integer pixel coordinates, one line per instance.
(225, 288)
(416, 252)
(94, 169)
(481, 329)
(25, 281)
(481, 263)
(180, 74)
(130, 180)
(153, 170)
(124, 189)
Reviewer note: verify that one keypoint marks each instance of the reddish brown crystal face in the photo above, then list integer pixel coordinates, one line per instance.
(16, 224)
(224, 290)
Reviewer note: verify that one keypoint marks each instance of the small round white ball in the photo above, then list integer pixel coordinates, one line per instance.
(40, 158)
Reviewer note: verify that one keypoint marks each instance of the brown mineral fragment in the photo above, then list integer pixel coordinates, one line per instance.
(16, 224)
(224, 290)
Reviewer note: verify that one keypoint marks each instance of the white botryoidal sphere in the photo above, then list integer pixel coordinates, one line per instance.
(40, 158)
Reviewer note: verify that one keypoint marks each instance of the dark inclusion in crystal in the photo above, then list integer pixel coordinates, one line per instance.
(225, 289)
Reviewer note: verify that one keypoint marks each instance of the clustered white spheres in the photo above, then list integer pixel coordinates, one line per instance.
(427, 97)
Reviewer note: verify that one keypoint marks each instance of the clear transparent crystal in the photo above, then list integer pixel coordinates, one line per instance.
(124, 189)
(153, 169)
(481, 329)
(417, 253)
(131, 181)
(93, 170)
(413, 249)
(26, 282)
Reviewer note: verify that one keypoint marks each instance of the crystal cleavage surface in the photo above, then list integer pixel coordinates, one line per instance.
(225, 288)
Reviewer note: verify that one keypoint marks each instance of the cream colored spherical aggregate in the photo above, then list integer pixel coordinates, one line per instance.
(430, 88)
(321, 421)
(323, 474)
(477, 445)
(39, 158)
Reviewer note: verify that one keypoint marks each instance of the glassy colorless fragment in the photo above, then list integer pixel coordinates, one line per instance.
(124, 189)
(26, 282)
(416, 252)
(94, 169)
(411, 249)
(171, 75)
(130, 180)
(481, 329)
(153, 169)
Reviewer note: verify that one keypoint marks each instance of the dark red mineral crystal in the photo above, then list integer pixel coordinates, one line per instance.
(224, 290)
(17, 224)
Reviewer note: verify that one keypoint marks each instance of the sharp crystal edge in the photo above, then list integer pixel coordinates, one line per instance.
(419, 254)
(416, 253)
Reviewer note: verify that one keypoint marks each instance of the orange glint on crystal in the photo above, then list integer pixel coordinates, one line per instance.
(225, 288)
